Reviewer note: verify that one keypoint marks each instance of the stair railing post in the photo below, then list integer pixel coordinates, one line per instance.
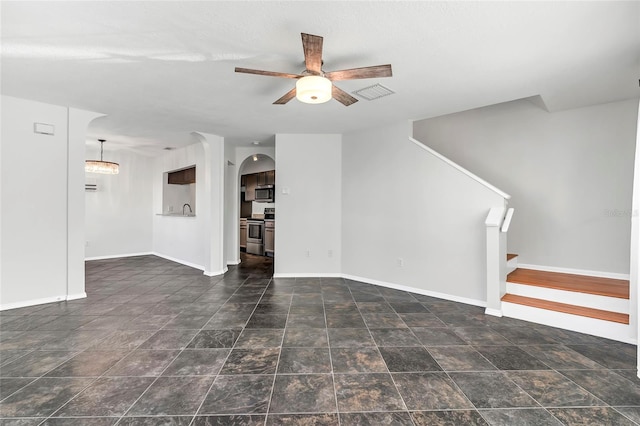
(496, 260)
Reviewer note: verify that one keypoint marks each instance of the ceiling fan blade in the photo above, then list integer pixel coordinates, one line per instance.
(287, 97)
(357, 73)
(341, 96)
(312, 46)
(268, 73)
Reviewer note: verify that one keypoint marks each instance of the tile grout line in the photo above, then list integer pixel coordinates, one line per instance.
(230, 349)
(123, 415)
(395, 385)
(333, 376)
(275, 374)
(103, 375)
(196, 285)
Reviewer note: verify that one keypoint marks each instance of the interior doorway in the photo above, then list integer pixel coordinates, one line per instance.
(256, 200)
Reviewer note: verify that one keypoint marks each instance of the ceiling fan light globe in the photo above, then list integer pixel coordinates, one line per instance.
(313, 89)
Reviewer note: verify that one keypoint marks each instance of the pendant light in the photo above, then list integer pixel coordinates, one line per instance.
(104, 167)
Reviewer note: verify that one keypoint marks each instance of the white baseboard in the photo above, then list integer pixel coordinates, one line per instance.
(307, 275)
(77, 296)
(32, 302)
(234, 262)
(493, 312)
(385, 284)
(612, 275)
(117, 256)
(171, 258)
(180, 261)
(216, 273)
(423, 292)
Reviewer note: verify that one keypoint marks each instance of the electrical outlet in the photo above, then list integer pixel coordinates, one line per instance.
(170, 209)
(330, 253)
(86, 243)
(308, 253)
(400, 262)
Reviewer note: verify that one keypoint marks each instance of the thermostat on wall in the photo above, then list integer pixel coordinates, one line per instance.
(44, 129)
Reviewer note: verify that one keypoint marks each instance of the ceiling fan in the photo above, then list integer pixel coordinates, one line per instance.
(315, 86)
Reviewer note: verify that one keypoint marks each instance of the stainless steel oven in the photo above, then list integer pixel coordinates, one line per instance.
(255, 236)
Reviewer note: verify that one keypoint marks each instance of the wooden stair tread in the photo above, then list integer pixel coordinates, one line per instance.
(571, 282)
(567, 309)
(511, 256)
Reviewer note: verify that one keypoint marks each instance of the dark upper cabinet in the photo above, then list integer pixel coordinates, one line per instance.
(182, 177)
(251, 181)
(271, 177)
(262, 178)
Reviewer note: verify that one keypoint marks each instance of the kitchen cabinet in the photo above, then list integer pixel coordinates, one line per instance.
(262, 178)
(243, 234)
(267, 178)
(269, 237)
(182, 177)
(271, 177)
(251, 181)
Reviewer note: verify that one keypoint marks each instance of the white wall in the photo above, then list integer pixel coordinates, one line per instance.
(309, 217)
(42, 220)
(231, 207)
(197, 241)
(570, 175)
(401, 202)
(176, 237)
(263, 164)
(174, 197)
(119, 215)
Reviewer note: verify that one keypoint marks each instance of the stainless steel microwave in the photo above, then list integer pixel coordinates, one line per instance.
(265, 194)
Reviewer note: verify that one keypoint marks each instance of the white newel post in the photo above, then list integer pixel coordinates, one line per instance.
(496, 260)
(634, 306)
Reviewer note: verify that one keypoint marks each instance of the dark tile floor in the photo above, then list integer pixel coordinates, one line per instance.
(158, 343)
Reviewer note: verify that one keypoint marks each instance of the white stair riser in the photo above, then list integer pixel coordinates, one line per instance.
(512, 265)
(605, 303)
(592, 326)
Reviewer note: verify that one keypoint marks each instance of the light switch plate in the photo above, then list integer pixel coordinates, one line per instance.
(43, 129)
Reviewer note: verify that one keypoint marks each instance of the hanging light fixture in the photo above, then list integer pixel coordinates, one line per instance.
(313, 89)
(104, 167)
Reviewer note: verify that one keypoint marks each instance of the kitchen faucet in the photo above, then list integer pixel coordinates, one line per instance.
(186, 205)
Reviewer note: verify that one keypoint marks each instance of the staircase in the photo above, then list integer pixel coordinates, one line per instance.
(587, 304)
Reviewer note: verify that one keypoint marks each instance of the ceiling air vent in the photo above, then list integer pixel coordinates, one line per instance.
(373, 92)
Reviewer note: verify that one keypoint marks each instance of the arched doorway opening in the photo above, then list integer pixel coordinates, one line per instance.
(256, 205)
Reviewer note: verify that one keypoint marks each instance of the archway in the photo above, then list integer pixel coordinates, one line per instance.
(254, 166)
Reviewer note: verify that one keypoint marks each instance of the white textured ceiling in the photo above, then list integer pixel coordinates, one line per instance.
(161, 70)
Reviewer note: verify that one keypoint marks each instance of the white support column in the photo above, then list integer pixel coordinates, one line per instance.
(215, 263)
(78, 122)
(496, 260)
